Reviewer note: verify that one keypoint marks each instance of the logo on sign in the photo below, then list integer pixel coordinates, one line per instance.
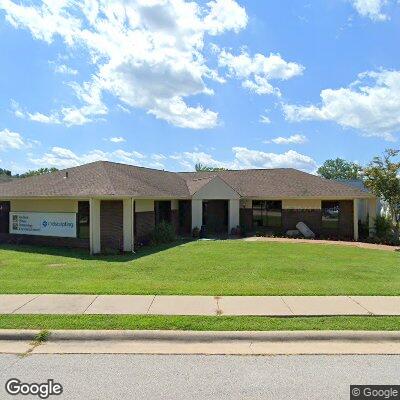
(44, 223)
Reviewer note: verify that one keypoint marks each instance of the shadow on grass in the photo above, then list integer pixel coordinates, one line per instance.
(85, 255)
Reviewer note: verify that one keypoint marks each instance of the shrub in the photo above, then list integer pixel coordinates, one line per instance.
(196, 232)
(385, 232)
(163, 233)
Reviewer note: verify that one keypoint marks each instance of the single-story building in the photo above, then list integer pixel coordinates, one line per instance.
(105, 205)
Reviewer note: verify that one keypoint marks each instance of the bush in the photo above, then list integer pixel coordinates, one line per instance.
(163, 233)
(196, 232)
(385, 232)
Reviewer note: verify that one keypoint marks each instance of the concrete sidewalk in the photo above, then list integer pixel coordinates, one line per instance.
(278, 306)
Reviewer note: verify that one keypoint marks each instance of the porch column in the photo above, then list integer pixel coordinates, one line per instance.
(197, 213)
(95, 244)
(372, 206)
(355, 218)
(233, 214)
(128, 224)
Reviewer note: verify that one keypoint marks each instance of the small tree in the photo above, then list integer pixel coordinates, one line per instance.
(382, 177)
(199, 167)
(40, 171)
(339, 169)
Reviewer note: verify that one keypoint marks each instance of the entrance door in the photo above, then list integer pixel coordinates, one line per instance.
(215, 216)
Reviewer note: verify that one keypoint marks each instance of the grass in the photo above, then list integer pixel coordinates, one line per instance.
(204, 268)
(151, 322)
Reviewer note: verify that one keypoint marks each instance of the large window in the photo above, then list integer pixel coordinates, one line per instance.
(83, 220)
(267, 213)
(330, 214)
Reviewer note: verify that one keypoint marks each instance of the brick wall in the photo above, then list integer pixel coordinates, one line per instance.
(346, 221)
(175, 220)
(49, 241)
(144, 226)
(111, 225)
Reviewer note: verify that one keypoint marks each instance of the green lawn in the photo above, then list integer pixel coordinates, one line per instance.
(221, 323)
(205, 268)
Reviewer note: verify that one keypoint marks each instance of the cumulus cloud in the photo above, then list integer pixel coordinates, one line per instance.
(148, 54)
(61, 157)
(244, 158)
(11, 140)
(371, 105)
(293, 139)
(257, 72)
(372, 9)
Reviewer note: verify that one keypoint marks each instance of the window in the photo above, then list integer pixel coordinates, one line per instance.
(267, 213)
(83, 220)
(330, 214)
(162, 211)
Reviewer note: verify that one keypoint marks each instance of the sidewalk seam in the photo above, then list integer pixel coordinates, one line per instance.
(95, 298)
(152, 301)
(23, 305)
(366, 309)
(287, 305)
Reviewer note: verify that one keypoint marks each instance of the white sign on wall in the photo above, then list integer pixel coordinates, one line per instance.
(44, 224)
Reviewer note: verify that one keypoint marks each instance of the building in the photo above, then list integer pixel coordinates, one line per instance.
(104, 205)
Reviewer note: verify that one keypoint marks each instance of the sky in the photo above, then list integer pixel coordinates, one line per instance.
(169, 83)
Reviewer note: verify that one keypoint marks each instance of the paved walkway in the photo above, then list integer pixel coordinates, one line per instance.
(199, 305)
(361, 245)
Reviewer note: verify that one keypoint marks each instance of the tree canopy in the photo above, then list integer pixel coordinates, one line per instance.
(199, 167)
(339, 169)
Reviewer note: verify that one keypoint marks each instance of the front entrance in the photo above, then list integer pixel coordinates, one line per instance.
(215, 216)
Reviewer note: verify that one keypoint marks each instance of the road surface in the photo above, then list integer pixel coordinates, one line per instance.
(129, 376)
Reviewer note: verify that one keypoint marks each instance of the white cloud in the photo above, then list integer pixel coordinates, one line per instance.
(39, 117)
(293, 139)
(148, 54)
(64, 69)
(371, 105)
(117, 139)
(11, 140)
(371, 9)
(244, 158)
(264, 119)
(256, 72)
(225, 15)
(61, 157)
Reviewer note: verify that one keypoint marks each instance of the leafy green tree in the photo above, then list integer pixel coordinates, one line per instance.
(382, 177)
(199, 167)
(40, 171)
(339, 169)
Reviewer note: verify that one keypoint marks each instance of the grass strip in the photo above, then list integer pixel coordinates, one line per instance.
(198, 323)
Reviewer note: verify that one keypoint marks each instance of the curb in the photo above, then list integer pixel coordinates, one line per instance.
(202, 336)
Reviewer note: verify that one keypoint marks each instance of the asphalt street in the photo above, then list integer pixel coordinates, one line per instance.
(125, 376)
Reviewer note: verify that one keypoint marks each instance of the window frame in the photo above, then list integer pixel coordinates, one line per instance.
(326, 223)
(266, 208)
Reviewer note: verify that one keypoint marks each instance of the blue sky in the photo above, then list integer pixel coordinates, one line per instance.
(168, 83)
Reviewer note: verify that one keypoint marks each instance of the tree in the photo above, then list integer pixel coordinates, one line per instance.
(199, 167)
(40, 171)
(5, 172)
(340, 169)
(382, 177)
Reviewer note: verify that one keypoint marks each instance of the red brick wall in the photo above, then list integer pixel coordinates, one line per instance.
(144, 226)
(246, 219)
(49, 241)
(111, 225)
(175, 220)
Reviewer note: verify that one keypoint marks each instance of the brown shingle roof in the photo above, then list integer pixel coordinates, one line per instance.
(278, 183)
(103, 178)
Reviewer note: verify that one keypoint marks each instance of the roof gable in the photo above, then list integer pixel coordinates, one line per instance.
(214, 188)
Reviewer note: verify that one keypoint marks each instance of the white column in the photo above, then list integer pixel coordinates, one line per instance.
(355, 218)
(197, 213)
(233, 214)
(372, 207)
(95, 244)
(128, 224)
